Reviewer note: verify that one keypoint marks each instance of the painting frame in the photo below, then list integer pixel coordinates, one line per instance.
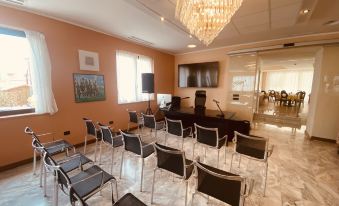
(89, 87)
(89, 61)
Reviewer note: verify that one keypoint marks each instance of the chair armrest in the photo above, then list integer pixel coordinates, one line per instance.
(89, 177)
(270, 150)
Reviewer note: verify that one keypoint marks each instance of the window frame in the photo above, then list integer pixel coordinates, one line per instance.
(17, 33)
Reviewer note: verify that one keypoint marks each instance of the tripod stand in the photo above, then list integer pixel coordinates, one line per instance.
(149, 110)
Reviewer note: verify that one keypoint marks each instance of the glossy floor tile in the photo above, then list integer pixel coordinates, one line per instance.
(301, 172)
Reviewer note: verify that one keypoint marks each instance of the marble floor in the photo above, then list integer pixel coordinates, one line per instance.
(301, 173)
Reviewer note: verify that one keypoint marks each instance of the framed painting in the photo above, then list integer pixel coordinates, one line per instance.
(89, 87)
(89, 61)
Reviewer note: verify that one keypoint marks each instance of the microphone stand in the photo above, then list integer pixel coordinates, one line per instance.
(221, 115)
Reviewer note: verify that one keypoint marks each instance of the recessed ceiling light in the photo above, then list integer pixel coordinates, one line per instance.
(305, 11)
(191, 46)
(190, 36)
(162, 18)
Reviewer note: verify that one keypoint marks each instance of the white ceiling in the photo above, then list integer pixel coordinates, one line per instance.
(139, 20)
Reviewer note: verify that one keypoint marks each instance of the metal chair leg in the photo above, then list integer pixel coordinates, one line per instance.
(100, 148)
(112, 161)
(45, 182)
(85, 145)
(41, 170)
(193, 150)
(166, 138)
(239, 162)
(182, 144)
(122, 162)
(55, 191)
(34, 161)
(266, 168)
(218, 158)
(192, 198)
(225, 154)
(142, 173)
(231, 162)
(186, 192)
(116, 188)
(95, 150)
(153, 182)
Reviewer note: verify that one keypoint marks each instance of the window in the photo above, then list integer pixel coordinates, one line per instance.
(129, 69)
(15, 73)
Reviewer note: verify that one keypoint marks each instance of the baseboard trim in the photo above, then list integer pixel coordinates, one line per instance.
(323, 139)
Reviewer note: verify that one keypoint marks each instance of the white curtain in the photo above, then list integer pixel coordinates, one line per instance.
(130, 66)
(290, 81)
(41, 74)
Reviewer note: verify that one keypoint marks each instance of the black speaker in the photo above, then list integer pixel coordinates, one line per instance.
(147, 82)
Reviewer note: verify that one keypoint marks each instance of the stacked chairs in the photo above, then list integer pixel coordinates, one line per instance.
(150, 122)
(83, 185)
(93, 132)
(134, 144)
(174, 127)
(224, 186)
(134, 118)
(209, 137)
(252, 147)
(174, 161)
(110, 139)
(53, 147)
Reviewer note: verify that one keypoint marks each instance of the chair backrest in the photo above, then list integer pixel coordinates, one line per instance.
(149, 121)
(35, 140)
(252, 146)
(174, 127)
(200, 99)
(170, 159)
(206, 135)
(91, 129)
(133, 116)
(106, 133)
(224, 186)
(132, 142)
(175, 103)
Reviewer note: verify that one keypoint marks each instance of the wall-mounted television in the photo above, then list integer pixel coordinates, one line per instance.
(198, 74)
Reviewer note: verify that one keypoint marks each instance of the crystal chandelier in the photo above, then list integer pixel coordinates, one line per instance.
(206, 18)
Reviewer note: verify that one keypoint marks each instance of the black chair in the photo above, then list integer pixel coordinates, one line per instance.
(84, 184)
(224, 186)
(134, 118)
(175, 103)
(129, 200)
(174, 127)
(109, 138)
(53, 147)
(200, 99)
(174, 161)
(210, 138)
(150, 122)
(254, 148)
(133, 143)
(300, 97)
(93, 132)
(283, 97)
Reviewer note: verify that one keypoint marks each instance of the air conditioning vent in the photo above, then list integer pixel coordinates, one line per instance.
(140, 41)
(17, 2)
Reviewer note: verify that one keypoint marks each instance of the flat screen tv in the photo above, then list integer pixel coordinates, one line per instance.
(198, 74)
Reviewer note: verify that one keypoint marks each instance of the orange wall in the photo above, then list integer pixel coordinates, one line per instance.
(63, 42)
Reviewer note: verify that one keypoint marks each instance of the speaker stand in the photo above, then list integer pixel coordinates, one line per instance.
(149, 110)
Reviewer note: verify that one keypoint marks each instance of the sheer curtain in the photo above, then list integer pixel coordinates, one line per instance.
(291, 81)
(130, 66)
(41, 74)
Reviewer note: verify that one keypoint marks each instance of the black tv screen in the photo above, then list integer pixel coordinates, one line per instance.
(198, 74)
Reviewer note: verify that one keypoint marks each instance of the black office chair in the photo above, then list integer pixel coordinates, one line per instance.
(174, 161)
(200, 99)
(129, 200)
(53, 147)
(133, 143)
(93, 132)
(110, 139)
(224, 186)
(85, 184)
(254, 148)
(174, 127)
(150, 122)
(209, 137)
(175, 103)
(134, 118)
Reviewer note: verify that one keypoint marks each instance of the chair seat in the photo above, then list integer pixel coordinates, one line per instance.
(82, 189)
(129, 200)
(148, 150)
(74, 162)
(117, 141)
(57, 146)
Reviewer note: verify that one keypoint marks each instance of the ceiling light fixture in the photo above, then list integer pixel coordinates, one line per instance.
(305, 11)
(206, 19)
(162, 18)
(191, 46)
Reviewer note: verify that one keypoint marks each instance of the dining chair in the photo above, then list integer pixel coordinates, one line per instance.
(93, 132)
(175, 127)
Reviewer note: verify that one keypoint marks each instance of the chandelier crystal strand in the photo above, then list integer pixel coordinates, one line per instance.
(206, 18)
